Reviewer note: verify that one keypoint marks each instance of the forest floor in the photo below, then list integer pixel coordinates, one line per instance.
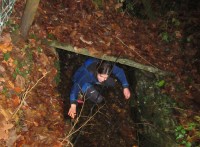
(31, 108)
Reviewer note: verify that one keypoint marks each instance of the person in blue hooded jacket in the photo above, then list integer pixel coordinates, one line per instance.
(95, 72)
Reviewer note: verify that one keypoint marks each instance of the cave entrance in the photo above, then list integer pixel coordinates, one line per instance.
(113, 124)
(121, 122)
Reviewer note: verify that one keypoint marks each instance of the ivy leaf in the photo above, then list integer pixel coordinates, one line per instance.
(165, 36)
(179, 136)
(6, 56)
(160, 83)
(183, 131)
(191, 126)
(188, 144)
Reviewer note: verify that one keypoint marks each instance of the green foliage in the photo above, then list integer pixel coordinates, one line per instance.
(33, 36)
(98, 3)
(51, 36)
(165, 37)
(130, 6)
(14, 27)
(23, 67)
(21, 72)
(160, 83)
(6, 56)
(176, 22)
(4, 91)
(188, 39)
(39, 49)
(191, 126)
(134, 8)
(182, 133)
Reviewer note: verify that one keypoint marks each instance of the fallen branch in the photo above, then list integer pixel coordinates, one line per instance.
(71, 132)
(28, 90)
(102, 56)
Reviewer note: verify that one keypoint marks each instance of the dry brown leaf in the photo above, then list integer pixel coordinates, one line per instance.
(43, 59)
(20, 83)
(5, 43)
(35, 123)
(178, 34)
(5, 125)
(2, 69)
(77, 49)
(11, 63)
(5, 113)
(4, 130)
(85, 41)
(2, 80)
(15, 100)
(12, 138)
(132, 47)
(93, 51)
(99, 13)
(10, 84)
(17, 89)
(73, 33)
(119, 5)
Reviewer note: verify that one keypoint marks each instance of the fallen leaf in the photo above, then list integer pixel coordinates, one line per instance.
(12, 138)
(2, 69)
(178, 34)
(132, 47)
(2, 80)
(99, 13)
(19, 82)
(10, 84)
(4, 130)
(5, 125)
(17, 89)
(5, 43)
(119, 5)
(16, 100)
(73, 33)
(85, 41)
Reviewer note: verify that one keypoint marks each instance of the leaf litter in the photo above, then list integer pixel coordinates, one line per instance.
(40, 120)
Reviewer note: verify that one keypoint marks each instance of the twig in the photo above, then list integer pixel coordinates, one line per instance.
(26, 93)
(84, 124)
(135, 52)
(78, 115)
(184, 110)
(178, 108)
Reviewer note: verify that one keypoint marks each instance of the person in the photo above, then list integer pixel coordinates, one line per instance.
(92, 73)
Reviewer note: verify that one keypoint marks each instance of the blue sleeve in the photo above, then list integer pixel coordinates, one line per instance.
(119, 73)
(74, 93)
(90, 61)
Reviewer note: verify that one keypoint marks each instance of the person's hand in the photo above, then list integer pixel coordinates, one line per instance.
(72, 111)
(127, 93)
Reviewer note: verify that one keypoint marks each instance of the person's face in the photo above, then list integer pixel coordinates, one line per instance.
(102, 77)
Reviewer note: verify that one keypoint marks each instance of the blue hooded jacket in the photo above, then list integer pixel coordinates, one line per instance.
(83, 79)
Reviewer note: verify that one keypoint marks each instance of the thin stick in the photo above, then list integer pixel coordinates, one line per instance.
(135, 52)
(84, 124)
(24, 97)
(79, 113)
